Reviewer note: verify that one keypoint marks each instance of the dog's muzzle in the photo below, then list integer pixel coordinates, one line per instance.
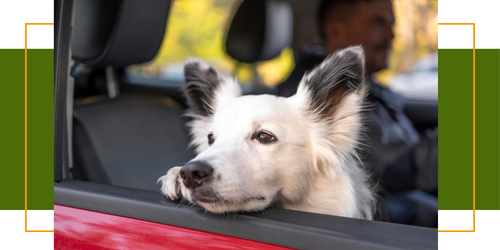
(195, 173)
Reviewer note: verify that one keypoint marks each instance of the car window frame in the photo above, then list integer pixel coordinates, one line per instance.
(283, 229)
(275, 226)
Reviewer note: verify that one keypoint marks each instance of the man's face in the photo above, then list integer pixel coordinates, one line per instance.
(370, 26)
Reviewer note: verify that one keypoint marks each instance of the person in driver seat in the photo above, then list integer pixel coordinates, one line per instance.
(403, 163)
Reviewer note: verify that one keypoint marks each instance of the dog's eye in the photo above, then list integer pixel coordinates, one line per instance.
(266, 138)
(211, 139)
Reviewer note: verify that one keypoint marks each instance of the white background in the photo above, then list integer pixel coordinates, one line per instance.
(12, 232)
(484, 13)
(15, 13)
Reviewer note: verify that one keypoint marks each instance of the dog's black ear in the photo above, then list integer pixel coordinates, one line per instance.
(332, 97)
(335, 78)
(205, 88)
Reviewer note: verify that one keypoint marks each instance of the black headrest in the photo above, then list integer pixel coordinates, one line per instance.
(260, 30)
(118, 32)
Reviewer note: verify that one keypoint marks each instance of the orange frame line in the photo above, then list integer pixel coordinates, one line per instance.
(26, 127)
(473, 130)
(26, 123)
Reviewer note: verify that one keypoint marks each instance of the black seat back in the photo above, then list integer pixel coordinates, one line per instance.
(260, 30)
(129, 141)
(135, 138)
(118, 32)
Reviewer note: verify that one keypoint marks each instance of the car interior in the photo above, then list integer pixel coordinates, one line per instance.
(116, 133)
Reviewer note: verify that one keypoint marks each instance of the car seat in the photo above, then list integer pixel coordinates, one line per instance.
(259, 31)
(122, 138)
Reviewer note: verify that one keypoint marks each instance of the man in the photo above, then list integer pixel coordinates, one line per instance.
(403, 164)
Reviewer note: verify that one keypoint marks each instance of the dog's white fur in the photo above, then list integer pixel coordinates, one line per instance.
(313, 166)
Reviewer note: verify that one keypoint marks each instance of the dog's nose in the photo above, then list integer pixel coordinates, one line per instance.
(194, 173)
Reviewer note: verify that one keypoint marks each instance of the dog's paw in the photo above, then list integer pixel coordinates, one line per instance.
(170, 183)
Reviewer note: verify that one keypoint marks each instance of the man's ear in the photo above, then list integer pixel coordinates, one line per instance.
(205, 88)
(327, 86)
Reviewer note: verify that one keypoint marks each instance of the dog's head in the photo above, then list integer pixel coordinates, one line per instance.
(255, 150)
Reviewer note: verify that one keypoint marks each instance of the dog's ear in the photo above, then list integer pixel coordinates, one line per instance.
(339, 75)
(205, 88)
(332, 96)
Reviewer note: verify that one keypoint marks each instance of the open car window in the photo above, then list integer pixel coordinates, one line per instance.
(110, 150)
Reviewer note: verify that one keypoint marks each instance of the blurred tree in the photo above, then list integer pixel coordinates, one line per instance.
(195, 28)
(415, 35)
(198, 28)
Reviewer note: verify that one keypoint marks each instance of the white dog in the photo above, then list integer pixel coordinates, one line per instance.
(256, 151)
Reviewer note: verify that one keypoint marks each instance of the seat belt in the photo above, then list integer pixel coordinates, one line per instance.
(112, 82)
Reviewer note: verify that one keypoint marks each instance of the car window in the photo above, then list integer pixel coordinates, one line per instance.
(413, 61)
(198, 28)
